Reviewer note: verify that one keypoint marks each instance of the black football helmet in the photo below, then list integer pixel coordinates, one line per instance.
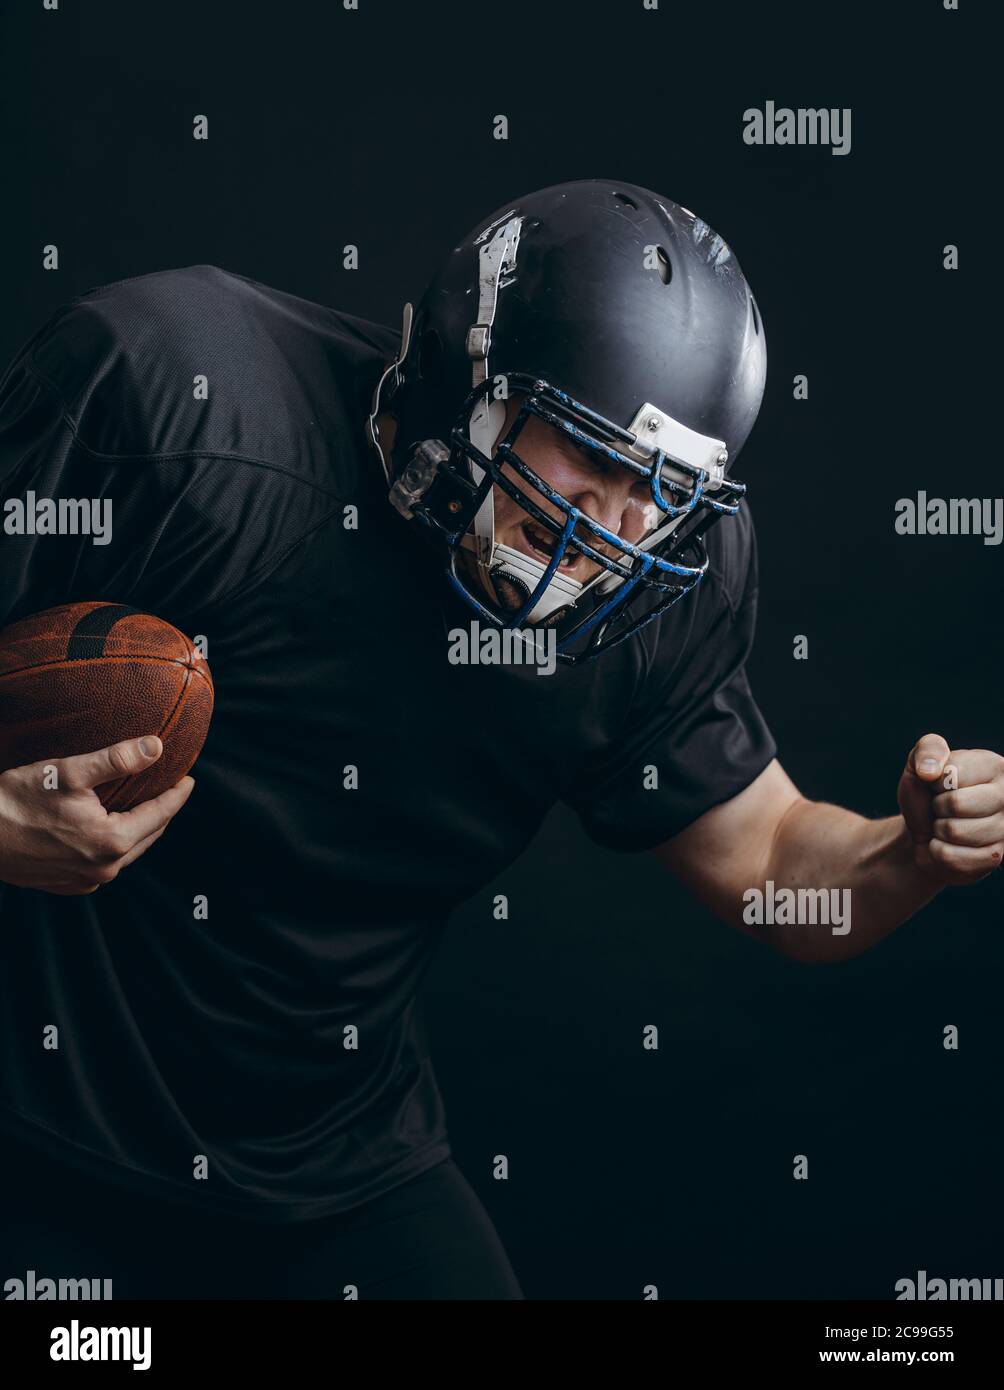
(617, 317)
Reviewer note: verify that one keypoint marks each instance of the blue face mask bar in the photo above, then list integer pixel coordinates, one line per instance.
(437, 488)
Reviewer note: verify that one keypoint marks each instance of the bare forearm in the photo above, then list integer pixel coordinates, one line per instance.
(820, 883)
(865, 867)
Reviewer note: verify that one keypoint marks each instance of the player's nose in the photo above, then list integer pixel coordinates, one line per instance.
(605, 499)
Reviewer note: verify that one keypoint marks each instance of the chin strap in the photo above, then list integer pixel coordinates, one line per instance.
(524, 570)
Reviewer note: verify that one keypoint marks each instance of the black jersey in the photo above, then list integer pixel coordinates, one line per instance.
(244, 993)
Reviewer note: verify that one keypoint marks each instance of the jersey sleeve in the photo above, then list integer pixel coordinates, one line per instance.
(694, 736)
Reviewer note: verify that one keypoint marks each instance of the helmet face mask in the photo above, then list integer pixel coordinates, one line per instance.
(633, 581)
(575, 332)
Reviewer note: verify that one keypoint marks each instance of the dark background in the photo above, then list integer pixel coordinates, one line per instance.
(375, 127)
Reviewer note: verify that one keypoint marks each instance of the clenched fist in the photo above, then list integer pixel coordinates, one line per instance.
(953, 803)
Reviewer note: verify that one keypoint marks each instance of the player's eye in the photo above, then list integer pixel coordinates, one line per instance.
(596, 460)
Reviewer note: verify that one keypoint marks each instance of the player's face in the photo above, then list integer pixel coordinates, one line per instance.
(608, 493)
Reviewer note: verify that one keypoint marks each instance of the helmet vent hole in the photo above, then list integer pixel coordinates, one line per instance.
(628, 202)
(665, 264)
(430, 355)
(756, 316)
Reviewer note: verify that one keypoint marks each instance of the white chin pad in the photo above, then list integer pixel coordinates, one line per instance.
(561, 592)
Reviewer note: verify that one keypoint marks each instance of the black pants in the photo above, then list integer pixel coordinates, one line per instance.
(429, 1238)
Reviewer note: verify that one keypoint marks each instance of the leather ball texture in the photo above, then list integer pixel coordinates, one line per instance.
(81, 676)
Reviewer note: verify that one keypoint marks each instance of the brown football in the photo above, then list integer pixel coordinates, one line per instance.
(85, 675)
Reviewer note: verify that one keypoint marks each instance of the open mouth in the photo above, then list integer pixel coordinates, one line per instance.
(542, 544)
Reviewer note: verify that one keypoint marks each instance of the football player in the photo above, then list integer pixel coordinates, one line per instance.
(215, 1080)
